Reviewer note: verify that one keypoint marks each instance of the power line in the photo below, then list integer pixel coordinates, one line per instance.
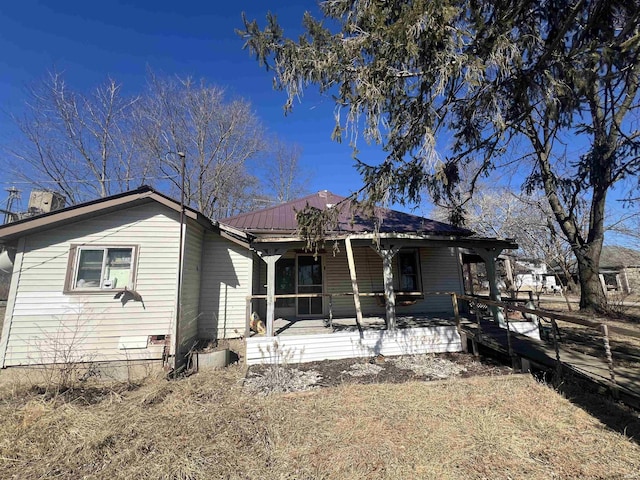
(36, 182)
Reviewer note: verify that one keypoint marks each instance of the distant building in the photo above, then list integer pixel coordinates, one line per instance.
(620, 269)
(40, 201)
(533, 275)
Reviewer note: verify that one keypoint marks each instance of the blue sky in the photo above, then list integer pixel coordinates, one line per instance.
(89, 41)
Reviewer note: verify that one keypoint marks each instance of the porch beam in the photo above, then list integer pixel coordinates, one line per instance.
(387, 252)
(354, 280)
(271, 256)
(489, 256)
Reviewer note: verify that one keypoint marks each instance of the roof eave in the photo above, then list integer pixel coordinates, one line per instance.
(484, 242)
(76, 213)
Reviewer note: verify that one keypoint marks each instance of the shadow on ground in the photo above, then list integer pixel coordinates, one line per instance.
(598, 403)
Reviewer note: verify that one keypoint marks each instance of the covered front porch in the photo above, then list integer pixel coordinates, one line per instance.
(393, 295)
(329, 337)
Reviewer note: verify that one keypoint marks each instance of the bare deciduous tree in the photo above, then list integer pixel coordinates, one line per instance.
(105, 143)
(283, 176)
(77, 144)
(217, 137)
(502, 212)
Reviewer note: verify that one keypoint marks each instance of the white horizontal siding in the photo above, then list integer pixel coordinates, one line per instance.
(44, 318)
(226, 282)
(369, 275)
(310, 348)
(440, 269)
(191, 286)
(440, 272)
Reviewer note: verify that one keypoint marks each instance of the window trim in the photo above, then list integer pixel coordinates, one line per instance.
(74, 258)
(415, 252)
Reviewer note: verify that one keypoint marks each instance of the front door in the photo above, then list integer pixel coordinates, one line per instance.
(309, 281)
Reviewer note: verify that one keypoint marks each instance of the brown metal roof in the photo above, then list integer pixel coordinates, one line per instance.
(282, 219)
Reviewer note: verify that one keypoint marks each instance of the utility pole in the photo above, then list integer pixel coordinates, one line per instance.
(14, 194)
(177, 353)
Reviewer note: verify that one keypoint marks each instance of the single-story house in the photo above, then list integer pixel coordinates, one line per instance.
(370, 290)
(137, 276)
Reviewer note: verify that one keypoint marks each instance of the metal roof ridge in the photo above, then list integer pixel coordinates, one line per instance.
(280, 205)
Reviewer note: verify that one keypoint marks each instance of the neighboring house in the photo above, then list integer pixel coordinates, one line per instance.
(620, 269)
(119, 279)
(532, 275)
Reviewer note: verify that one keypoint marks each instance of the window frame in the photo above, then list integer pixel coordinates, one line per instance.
(74, 263)
(414, 252)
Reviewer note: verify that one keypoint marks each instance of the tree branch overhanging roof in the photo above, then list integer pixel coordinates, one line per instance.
(270, 225)
(278, 224)
(282, 219)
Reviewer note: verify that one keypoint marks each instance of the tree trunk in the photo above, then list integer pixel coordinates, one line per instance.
(592, 297)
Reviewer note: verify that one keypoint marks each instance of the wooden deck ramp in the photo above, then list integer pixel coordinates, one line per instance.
(622, 381)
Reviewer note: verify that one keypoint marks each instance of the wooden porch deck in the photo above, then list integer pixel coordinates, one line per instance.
(318, 326)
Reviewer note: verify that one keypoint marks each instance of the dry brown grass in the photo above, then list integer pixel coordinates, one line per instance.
(205, 426)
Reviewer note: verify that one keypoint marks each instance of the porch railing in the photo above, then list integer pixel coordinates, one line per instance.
(551, 318)
(331, 296)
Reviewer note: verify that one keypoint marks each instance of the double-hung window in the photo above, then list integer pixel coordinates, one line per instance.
(95, 268)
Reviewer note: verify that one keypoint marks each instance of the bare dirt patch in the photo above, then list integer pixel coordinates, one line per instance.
(265, 379)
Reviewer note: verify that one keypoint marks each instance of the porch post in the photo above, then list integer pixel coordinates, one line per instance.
(509, 272)
(470, 277)
(354, 280)
(387, 252)
(271, 256)
(627, 287)
(489, 256)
